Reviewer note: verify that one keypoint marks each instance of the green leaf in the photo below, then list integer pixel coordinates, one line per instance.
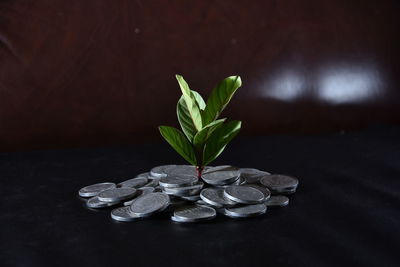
(179, 142)
(184, 116)
(220, 97)
(184, 119)
(219, 139)
(192, 105)
(202, 136)
(199, 100)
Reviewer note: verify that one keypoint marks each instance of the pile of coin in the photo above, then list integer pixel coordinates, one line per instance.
(225, 190)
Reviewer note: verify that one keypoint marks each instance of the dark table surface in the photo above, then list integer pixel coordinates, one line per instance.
(346, 210)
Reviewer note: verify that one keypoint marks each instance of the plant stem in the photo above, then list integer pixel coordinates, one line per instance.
(199, 170)
(199, 157)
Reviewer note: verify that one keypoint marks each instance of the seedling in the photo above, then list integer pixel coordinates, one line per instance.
(204, 135)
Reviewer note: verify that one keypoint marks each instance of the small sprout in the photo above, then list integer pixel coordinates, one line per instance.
(204, 135)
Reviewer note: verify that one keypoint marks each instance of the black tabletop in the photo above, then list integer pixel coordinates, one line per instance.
(346, 210)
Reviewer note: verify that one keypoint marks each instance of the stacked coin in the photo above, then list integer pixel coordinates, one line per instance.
(280, 184)
(226, 190)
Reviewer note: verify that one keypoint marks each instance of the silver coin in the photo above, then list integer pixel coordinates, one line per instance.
(153, 182)
(252, 176)
(149, 204)
(146, 190)
(221, 175)
(179, 170)
(277, 201)
(246, 211)
(128, 203)
(178, 181)
(160, 171)
(286, 191)
(239, 181)
(263, 189)
(184, 191)
(96, 203)
(134, 182)
(215, 197)
(201, 203)
(123, 214)
(145, 175)
(244, 194)
(191, 198)
(194, 214)
(277, 181)
(142, 191)
(117, 194)
(95, 189)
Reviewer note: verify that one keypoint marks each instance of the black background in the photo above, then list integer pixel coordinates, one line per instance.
(346, 210)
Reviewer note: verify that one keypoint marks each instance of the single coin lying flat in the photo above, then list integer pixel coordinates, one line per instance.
(160, 171)
(280, 201)
(95, 189)
(149, 204)
(117, 194)
(252, 176)
(134, 182)
(179, 170)
(263, 189)
(221, 175)
(96, 203)
(142, 191)
(193, 214)
(246, 211)
(191, 198)
(123, 214)
(215, 197)
(178, 181)
(279, 182)
(244, 194)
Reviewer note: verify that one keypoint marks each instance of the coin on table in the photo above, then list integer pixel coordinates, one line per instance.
(277, 201)
(95, 189)
(215, 197)
(123, 214)
(200, 202)
(134, 182)
(178, 181)
(96, 203)
(145, 175)
(278, 181)
(182, 170)
(153, 182)
(246, 211)
(117, 194)
(148, 204)
(146, 190)
(185, 190)
(239, 181)
(285, 191)
(252, 176)
(221, 175)
(263, 189)
(141, 192)
(191, 198)
(244, 194)
(194, 214)
(160, 171)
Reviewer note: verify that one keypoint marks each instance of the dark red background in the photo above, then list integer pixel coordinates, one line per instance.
(82, 73)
